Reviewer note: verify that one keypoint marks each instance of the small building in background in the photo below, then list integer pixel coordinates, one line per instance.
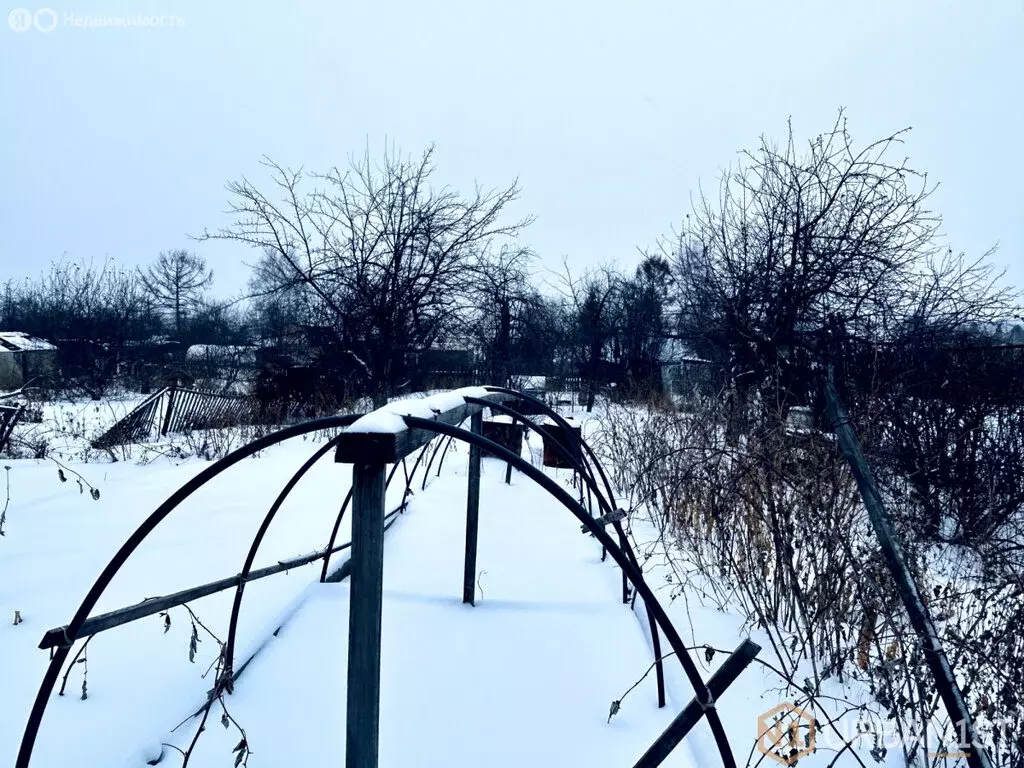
(687, 376)
(443, 358)
(25, 359)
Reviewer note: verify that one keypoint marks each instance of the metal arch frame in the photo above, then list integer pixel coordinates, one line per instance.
(608, 509)
(229, 673)
(550, 412)
(410, 476)
(704, 698)
(257, 541)
(60, 655)
(236, 607)
(574, 452)
(337, 524)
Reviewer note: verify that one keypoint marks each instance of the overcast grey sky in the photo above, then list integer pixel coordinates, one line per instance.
(118, 141)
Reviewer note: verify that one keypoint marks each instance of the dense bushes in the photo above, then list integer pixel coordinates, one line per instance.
(773, 525)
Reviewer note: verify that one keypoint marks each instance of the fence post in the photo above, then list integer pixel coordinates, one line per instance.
(917, 611)
(364, 623)
(170, 408)
(472, 513)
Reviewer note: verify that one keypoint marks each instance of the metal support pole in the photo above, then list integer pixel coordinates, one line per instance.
(917, 611)
(364, 623)
(472, 513)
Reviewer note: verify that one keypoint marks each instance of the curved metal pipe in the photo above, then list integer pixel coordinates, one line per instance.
(338, 519)
(635, 576)
(236, 607)
(334, 535)
(130, 545)
(348, 498)
(549, 411)
(426, 472)
(440, 464)
(581, 442)
(573, 458)
(624, 544)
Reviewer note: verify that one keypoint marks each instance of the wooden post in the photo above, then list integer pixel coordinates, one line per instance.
(472, 513)
(364, 623)
(692, 713)
(170, 411)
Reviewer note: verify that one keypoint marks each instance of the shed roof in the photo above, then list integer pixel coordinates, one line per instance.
(16, 341)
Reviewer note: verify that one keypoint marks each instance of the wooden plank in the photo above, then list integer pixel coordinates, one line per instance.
(507, 435)
(724, 676)
(356, 447)
(367, 573)
(56, 637)
(553, 434)
(472, 514)
(96, 624)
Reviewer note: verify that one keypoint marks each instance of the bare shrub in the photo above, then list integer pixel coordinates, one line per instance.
(772, 525)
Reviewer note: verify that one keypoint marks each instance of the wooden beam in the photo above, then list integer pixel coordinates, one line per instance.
(365, 608)
(355, 447)
(472, 514)
(151, 605)
(724, 676)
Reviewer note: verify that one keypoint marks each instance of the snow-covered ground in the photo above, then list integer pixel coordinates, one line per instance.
(67, 427)
(526, 677)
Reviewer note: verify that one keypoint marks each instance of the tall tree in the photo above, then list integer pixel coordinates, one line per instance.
(831, 240)
(499, 302)
(593, 306)
(641, 322)
(379, 252)
(176, 281)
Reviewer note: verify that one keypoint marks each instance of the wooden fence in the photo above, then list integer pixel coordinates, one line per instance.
(178, 409)
(9, 415)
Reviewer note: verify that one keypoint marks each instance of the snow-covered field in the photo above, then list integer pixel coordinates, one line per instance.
(526, 677)
(67, 427)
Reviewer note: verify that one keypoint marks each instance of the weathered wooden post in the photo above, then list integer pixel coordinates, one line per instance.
(472, 513)
(364, 619)
(369, 452)
(170, 410)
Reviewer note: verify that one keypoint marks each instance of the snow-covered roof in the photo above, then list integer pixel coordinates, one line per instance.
(530, 382)
(206, 351)
(15, 341)
(676, 351)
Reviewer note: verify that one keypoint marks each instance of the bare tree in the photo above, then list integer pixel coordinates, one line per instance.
(500, 301)
(832, 240)
(377, 251)
(92, 312)
(176, 282)
(594, 306)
